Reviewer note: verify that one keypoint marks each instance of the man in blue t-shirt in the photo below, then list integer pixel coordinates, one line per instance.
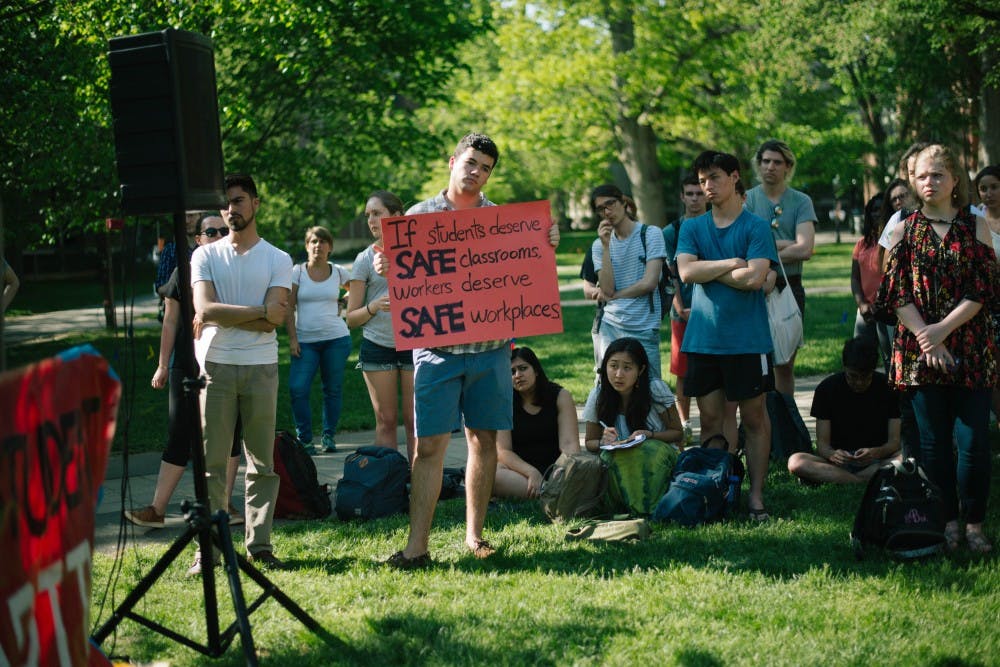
(857, 421)
(727, 254)
(693, 199)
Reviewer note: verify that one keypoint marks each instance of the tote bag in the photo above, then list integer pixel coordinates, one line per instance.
(785, 321)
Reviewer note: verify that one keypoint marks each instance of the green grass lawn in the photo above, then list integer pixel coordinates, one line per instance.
(785, 593)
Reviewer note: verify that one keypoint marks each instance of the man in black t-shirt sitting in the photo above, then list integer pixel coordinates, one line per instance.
(857, 421)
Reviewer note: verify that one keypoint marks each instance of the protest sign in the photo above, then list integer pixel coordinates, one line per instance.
(57, 419)
(473, 275)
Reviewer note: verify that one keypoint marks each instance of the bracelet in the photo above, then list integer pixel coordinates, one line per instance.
(368, 308)
(265, 310)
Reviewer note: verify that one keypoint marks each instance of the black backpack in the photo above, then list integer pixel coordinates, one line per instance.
(705, 486)
(901, 512)
(789, 433)
(665, 285)
(373, 485)
(300, 495)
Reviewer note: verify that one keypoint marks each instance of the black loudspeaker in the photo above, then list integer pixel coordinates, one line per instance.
(166, 122)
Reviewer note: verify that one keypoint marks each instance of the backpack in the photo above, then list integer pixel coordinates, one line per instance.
(573, 487)
(665, 285)
(452, 483)
(789, 433)
(614, 530)
(373, 485)
(901, 512)
(705, 486)
(300, 495)
(639, 476)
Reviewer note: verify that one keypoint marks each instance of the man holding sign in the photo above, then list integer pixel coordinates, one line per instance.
(470, 380)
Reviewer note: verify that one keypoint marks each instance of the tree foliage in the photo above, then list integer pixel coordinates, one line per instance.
(317, 100)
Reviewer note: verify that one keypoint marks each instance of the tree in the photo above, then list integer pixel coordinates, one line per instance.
(317, 99)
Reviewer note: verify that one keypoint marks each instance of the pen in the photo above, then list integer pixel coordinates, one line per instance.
(603, 424)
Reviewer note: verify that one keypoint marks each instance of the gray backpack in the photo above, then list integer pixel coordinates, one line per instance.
(574, 487)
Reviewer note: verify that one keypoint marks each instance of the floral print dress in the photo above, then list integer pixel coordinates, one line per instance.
(935, 275)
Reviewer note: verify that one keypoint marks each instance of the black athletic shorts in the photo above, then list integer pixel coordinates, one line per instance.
(741, 376)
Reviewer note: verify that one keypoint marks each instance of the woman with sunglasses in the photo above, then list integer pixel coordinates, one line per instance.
(209, 229)
(318, 339)
(388, 372)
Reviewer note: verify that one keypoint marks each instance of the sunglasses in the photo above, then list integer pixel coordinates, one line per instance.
(777, 214)
(212, 232)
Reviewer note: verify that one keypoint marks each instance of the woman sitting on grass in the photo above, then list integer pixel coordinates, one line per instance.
(544, 427)
(627, 402)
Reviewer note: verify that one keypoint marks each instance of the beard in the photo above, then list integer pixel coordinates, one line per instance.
(237, 223)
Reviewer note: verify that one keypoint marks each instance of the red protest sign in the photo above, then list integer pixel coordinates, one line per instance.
(472, 275)
(57, 419)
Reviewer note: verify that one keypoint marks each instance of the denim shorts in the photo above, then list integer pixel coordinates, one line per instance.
(374, 357)
(449, 386)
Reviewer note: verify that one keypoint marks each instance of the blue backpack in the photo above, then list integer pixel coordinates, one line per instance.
(705, 486)
(373, 485)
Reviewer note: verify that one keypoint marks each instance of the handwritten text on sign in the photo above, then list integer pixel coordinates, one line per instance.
(57, 420)
(474, 275)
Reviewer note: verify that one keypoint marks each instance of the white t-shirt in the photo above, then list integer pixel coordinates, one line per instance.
(885, 239)
(317, 312)
(378, 329)
(662, 397)
(242, 280)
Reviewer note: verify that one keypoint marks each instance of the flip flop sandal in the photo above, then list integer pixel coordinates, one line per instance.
(952, 537)
(483, 549)
(758, 515)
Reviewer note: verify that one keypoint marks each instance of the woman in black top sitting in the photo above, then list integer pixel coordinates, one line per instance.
(545, 426)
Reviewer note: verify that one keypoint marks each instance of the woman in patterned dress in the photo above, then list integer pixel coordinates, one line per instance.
(941, 281)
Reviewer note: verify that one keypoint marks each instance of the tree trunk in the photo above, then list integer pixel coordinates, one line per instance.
(637, 138)
(638, 156)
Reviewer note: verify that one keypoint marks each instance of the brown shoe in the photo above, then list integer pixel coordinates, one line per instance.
(147, 516)
(483, 549)
(399, 561)
(267, 560)
(235, 517)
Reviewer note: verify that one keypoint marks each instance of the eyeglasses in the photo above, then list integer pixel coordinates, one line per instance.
(899, 197)
(776, 211)
(606, 206)
(212, 232)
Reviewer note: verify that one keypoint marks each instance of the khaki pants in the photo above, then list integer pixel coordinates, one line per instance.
(252, 393)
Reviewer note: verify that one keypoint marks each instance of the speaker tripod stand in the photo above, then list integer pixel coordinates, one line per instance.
(212, 532)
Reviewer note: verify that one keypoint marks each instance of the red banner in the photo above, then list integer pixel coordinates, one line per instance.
(472, 275)
(57, 419)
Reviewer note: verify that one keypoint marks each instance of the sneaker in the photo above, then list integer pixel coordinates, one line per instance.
(147, 516)
(329, 446)
(309, 448)
(267, 561)
(688, 433)
(195, 568)
(235, 517)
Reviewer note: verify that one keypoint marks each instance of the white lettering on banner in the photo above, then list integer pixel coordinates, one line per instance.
(24, 605)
